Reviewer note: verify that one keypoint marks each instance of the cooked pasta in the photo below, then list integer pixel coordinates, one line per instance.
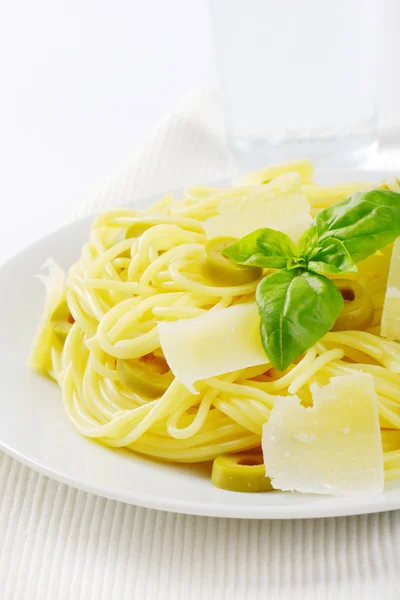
(141, 267)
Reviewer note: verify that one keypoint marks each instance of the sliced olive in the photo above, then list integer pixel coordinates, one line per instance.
(222, 270)
(142, 379)
(358, 312)
(137, 229)
(61, 320)
(244, 472)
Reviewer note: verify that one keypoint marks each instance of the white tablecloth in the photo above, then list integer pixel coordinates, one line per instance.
(60, 543)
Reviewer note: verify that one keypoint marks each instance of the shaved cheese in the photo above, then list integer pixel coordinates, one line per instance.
(303, 167)
(288, 212)
(390, 324)
(254, 195)
(221, 341)
(54, 283)
(334, 447)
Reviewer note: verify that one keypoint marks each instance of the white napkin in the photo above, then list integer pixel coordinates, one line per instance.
(188, 146)
(60, 543)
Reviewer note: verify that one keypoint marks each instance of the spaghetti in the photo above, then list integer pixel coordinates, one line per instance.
(144, 266)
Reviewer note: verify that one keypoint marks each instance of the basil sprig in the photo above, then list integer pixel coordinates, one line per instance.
(298, 304)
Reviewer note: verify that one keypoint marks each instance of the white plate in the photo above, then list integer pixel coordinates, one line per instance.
(35, 430)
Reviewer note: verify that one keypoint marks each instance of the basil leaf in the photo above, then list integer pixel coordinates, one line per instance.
(308, 241)
(297, 308)
(365, 222)
(332, 257)
(265, 247)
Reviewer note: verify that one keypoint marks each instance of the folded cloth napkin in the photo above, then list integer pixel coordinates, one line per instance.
(188, 146)
(60, 543)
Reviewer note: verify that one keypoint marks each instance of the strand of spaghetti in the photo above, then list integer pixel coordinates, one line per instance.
(239, 441)
(311, 369)
(259, 407)
(122, 398)
(213, 421)
(101, 397)
(390, 439)
(173, 219)
(108, 267)
(223, 302)
(389, 349)
(194, 427)
(107, 218)
(127, 287)
(354, 355)
(103, 238)
(122, 262)
(140, 346)
(115, 314)
(72, 405)
(207, 204)
(240, 390)
(107, 256)
(71, 357)
(378, 371)
(56, 365)
(82, 402)
(230, 408)
(206, 438)
(194, 193)
(391, 474)
(135, 313)
(89, 253)
(162, 205)
(391, 459)
(89, 426)
(250, 408)
(202, 414)
(321, 196)
(284, 381)
(390, 415)
(75, 354)
(208, 290)
(167, 237)
(174, 396)
(89, 302)
(179, 312)
(247, 375)
(225, 195)
(349, 339)
(152, 253)
(96, 405)
(166, 258)
(98, 358)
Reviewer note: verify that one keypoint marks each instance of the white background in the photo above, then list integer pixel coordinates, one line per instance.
(83, 80)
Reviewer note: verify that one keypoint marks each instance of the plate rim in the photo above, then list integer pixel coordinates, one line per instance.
(292, 512)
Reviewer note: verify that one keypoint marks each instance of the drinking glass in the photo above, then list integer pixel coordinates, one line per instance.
(299, 78)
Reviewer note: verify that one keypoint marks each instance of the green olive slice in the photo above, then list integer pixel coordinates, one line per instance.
(222, 270)
(358, 312)
(242, 472)
(142, 379)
